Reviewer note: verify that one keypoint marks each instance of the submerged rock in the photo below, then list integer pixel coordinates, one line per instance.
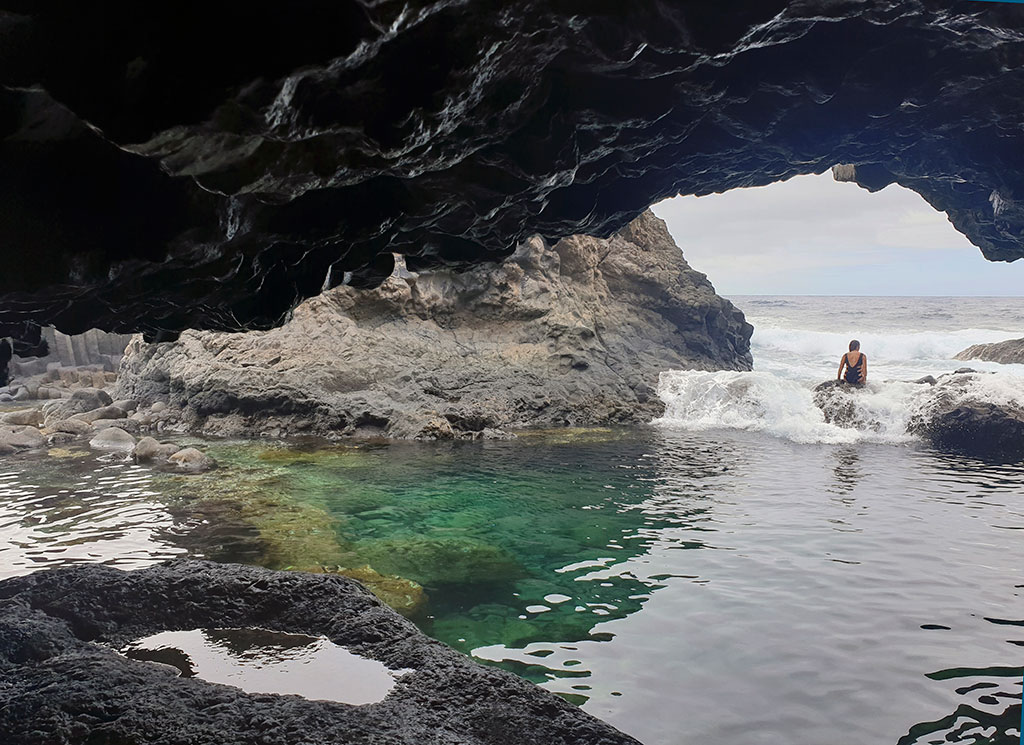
(63, 681)
(401, 594)
(570, 334)
(441, 560)
(1006, 352)
(191, 459)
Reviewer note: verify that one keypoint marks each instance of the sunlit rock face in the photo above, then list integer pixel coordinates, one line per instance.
(167, 166)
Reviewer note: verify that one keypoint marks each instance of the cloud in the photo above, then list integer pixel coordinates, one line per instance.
(813, 235)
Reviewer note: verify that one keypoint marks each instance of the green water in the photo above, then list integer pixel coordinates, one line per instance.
(510, 541)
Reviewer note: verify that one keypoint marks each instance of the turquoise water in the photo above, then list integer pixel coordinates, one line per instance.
(715, 586)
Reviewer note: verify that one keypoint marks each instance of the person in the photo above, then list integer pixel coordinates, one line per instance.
(856, 364)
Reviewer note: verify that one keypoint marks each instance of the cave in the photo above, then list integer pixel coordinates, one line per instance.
(203, 167)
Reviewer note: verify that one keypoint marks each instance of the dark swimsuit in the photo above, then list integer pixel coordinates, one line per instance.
(854, 374)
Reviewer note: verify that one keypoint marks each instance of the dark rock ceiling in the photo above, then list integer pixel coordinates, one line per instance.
(169, 165)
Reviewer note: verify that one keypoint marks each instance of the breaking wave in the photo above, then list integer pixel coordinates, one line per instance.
(765, 402)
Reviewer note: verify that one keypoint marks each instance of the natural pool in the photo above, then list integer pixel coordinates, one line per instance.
(686, 587)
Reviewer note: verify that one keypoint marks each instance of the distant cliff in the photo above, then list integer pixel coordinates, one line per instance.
(574, 334)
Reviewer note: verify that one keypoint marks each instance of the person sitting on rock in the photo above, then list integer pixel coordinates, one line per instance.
(856, 364)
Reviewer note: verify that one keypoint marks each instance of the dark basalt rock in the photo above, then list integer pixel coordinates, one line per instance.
(61, 681)
(979, 428)
(165, 166)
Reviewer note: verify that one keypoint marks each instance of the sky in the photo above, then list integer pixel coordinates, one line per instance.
(812, 235)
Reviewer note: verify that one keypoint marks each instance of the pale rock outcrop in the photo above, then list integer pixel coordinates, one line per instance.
(1010, 351)
(574, 334)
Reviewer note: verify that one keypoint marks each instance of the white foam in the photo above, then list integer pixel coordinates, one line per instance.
(766, 402)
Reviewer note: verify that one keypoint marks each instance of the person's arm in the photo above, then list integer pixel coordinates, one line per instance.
(864, 376)
(842, 364)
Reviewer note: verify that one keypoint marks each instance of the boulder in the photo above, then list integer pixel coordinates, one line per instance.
(113, 439)
(104, 412)
(31, 417)
(192, 460)
(126, 404)
(71, 426)
(22, 438)
(837, 400)
(128, 425)
(147, 450)
(64, 681)
(979, 428)
(80, 401)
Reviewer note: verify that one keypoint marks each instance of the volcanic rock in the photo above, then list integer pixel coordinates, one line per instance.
(1007, 352)
(574, 334)
(151, 188)
(64, 682)
(960, 417)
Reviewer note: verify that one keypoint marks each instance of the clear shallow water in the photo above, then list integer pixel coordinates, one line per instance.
(685, 586)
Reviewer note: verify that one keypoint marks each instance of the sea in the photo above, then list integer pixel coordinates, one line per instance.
(737, 571)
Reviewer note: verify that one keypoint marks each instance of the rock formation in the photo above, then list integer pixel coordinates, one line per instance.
(63, 681)
(955, 412)
(145, 187)
(1010, 351)
(574, 334)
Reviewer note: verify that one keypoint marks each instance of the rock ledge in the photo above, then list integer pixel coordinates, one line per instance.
(61, 682)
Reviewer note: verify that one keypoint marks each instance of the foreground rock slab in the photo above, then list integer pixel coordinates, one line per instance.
(62, 682)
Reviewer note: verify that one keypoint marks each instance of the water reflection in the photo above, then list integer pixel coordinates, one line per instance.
(989, 712)
(58, 511)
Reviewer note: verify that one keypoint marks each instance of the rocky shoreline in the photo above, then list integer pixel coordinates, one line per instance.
(60, 629)
(573, 334)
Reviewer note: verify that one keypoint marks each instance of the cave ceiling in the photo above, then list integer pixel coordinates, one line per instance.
(208, 165)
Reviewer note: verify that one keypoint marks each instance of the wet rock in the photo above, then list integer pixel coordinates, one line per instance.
(837, 400)
(574, 334)
(981, 429)
(191, 459)
(31, 417)
(1006, 352)
(113, 439)
(63, 681)
(961, 416)
(6, 398)
(929, 379)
